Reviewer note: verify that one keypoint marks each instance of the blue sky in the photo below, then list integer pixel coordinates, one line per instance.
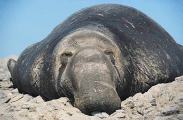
(24, 22)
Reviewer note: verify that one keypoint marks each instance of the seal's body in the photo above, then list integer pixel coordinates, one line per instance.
(97, 57)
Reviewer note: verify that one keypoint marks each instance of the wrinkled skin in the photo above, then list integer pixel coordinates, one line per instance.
(98, 57)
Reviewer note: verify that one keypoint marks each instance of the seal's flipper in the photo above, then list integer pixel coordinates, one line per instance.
(11, 64)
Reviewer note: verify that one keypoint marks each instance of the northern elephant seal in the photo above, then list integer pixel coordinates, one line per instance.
(97, 57)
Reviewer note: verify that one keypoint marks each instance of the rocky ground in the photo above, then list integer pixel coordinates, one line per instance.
(161, 102)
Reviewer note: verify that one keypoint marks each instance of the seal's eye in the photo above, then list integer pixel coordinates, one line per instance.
(67, 54)
(108, 52)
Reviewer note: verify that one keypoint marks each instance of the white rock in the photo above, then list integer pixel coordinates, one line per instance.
(16, 98)
(180, 116)
(14, 91)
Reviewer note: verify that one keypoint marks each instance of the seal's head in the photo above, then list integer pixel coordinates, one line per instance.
(88, 75)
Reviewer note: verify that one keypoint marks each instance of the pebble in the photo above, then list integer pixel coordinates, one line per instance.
(130, 104)
(26, 106)
(5, 117)
(38, 100)
(26, 98)
(100, 114)
(118, 114)
(169, 110)
(180, 116)
(16, 98)
(139, 103)
(178, 99)
(6, 100)
(14, 91)
(179, 79)
(153, 102)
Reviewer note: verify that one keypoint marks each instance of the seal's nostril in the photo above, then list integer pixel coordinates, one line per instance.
(65, 57)
(67, 54)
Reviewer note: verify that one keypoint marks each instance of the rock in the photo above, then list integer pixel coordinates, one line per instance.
(6, 84)
(139, 103)
(23, 114)
(64, 100)
(153, 102)
(26, 98)
(64, 116)
(130, 103)
(16, 98)
(148, 109)
(119, 114)
(14, 91)
(171, 117)
(26, 106)
(80, 116)
(39, 100)
(72, 110)
(4, 74)
(6, 117)
(18, 117)
(169, 110)
(2, 95)
(5, 100)
(97, 114)
(178, 99)
(180, 79)
(105, 115)
(180, 116)
(101, 115)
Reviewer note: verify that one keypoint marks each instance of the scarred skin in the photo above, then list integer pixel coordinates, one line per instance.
(97, 57)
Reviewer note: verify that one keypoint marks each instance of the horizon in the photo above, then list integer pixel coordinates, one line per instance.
(26, 22)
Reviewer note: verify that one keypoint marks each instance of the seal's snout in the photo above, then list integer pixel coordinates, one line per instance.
(93, 81)
(101, 98)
